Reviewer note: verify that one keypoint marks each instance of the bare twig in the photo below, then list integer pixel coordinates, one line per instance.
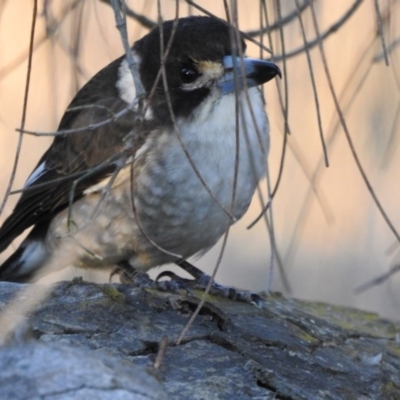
(380, 31)
(234, 40)
(346, 131)
(120, 19)
(162, 347)
(24, 109)
(236, 51)
(90, 127)
(244, 34)
(206, 291)
(132, 183)
(227, 13)
(274, 249)
(332, 29)
(143, 20)
(271, 192)
(378, 281)
(314, 86)
(164, 56)
(382, 55)
(18, 60)
(284, 107)
(139, 224)
(332, 136)
(391, 144)
(281, 21)
(51, 30)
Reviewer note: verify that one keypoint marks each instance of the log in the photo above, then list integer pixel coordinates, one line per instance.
(87, 340)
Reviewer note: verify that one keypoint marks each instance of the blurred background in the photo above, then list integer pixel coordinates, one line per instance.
(331, 237)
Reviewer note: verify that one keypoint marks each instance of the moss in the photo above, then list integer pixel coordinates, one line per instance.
(391, 391)
(111, 292)
(351, 319)
(394, 349)
(303, 335)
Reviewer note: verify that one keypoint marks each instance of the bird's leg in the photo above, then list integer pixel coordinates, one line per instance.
(201, 281)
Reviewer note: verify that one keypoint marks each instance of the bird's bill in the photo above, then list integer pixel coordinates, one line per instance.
(256, 72)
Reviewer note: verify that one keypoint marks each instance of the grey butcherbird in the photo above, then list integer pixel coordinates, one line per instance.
(169, 196)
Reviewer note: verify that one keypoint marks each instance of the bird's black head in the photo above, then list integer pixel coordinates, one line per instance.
(194, 40)
(194, 65)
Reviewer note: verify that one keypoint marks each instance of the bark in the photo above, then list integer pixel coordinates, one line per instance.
(86, 340)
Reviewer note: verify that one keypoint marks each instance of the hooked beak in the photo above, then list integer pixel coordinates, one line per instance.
(256, 72)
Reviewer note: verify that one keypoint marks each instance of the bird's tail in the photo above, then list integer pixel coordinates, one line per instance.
(26, 261)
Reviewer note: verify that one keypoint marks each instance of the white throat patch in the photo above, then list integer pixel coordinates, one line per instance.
(125, 84)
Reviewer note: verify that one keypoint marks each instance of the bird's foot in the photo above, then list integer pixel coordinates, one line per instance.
(129, 276)
(201, 281)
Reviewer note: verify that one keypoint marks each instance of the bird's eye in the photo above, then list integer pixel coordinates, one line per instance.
(188, 74)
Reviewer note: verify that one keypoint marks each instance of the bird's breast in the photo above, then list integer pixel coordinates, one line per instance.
(191, 182)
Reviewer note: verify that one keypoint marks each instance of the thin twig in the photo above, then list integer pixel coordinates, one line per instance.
(314, 86)
(50, 32)
(346, 131)
(237, 149)
(280, 22)
(332, 136)
(206, 291)
(274, 249)
(132, 183)
(393, 136)
(391, 145)
(286, 132)
(227, 13)
(380, 56)
(139, 224)
(143, 20)
(120, 19)
(91, 127)
(177, 130)
(162, 347)
(332, 29)
(378, 280)
(284, 107)
(244, 34)
(19, 59)
(236, 50)
(380, 31)
(24, 109)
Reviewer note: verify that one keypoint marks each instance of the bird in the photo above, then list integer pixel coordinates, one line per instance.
(148, 169)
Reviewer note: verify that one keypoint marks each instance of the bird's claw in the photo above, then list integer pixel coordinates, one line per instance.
(142, 280)
(201, 280)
